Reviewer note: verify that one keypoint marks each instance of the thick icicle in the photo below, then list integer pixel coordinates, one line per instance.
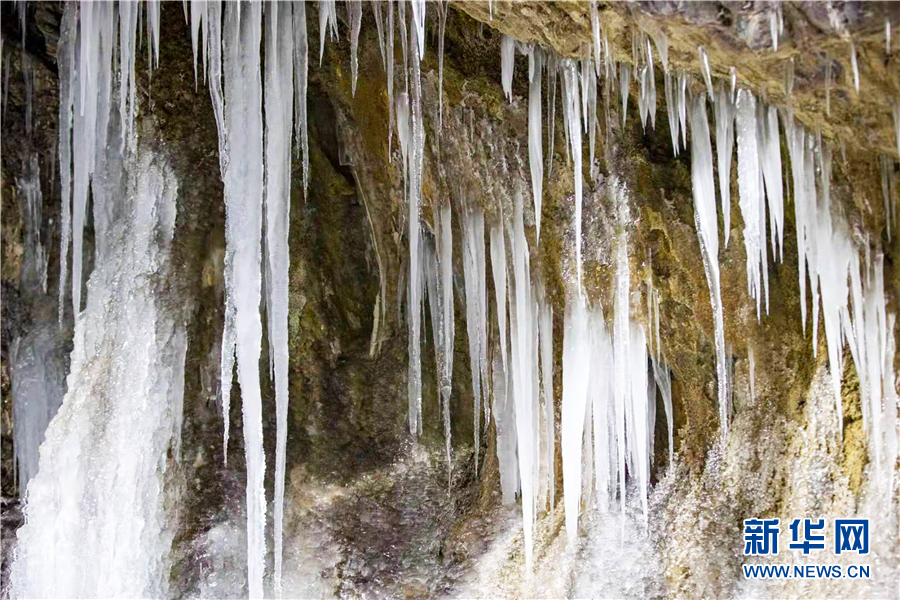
(770, 157)
(535, 152)
(724, 110)
(243, 225)
(507, 64)
(66, 62)
(443, 9)
(445, 284)
(279, 104)
(572, 116)
(476, 321)
(523, 372)
(752, 199)
(707, 232)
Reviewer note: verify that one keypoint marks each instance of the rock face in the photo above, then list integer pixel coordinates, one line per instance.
(349, 269)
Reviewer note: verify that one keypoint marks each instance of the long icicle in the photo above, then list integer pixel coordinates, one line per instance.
(279, 123)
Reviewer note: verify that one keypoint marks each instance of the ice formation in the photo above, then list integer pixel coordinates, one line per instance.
(279, 107)
(724, 111)
(752, 198)
(608, 396)
(112, 434)
(535, 116)
(707, 232)
(474, 271)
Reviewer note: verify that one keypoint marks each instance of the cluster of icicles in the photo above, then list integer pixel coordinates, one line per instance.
(608, 400)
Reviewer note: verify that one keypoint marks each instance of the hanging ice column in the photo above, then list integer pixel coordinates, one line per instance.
(279, 104)
(535, 152)
(411, 131)
(708, 234)
(242, 154)
(96, 521)
(474, 272)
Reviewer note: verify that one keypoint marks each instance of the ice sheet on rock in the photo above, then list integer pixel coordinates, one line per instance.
(707, 232)
(103, 459)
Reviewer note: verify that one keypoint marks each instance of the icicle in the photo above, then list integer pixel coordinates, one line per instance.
(523, 372)
(476, 317)
(443, 9)
(887, 37)
(551, 130)
(379, 26)
(279, 104)
(327, 17)
(591, 93)
(498, 270)
(895, 113)
(66, 63)
(752, 200)
(682, 106)
(770, 157)
(576, 368)
(445, 281)
(301, 71)
(535, 152)
(595, 32)
(672, 110)
(389, 58)
(624, 84)
(505, 423)
(707, 232)
(640, 432)
(198, 13)
(418, 10)
(724, 111)
(829, 78)
(855, 65)
(546, 335)
(354, 10)
(773, 29)
(600, 403)
(886, 169)
(707, 76)
(572, 119)
(621, 335)
(415, 157)
(507, 64)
